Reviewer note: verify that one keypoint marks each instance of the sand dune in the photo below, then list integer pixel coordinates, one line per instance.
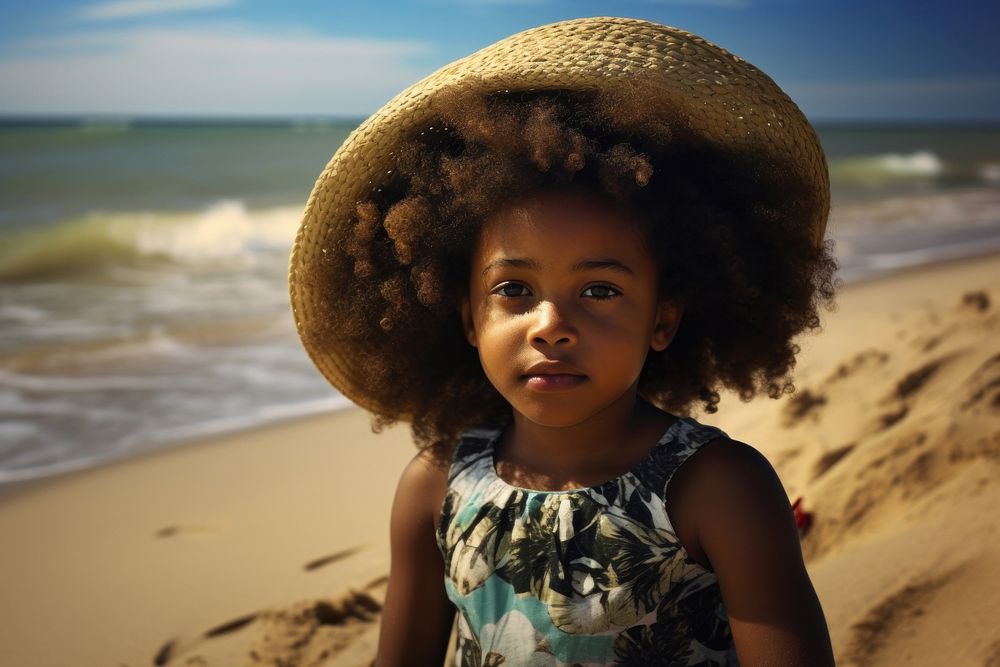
(893, 438)
(269, 548)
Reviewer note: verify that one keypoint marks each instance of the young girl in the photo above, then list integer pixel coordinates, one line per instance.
(544, 256)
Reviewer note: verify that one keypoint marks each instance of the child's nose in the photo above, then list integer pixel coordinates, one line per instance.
(552, 326)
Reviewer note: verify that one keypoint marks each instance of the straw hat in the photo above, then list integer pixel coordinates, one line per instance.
(722, 98)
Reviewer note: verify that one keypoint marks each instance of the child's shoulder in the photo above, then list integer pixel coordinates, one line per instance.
(429, 465)
(728, 493)
(423, 483)
(724, 466)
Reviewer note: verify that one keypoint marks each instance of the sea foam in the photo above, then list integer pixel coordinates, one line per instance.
(98, 242)
(879, 170)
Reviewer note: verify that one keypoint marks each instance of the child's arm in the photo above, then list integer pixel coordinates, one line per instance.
(417, 617)
(747, 531)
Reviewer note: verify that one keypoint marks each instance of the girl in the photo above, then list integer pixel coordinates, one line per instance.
(544, 256)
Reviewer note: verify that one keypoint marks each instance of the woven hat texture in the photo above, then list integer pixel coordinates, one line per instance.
(722, 98)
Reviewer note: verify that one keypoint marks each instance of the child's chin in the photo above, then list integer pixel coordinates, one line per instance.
(561, 415)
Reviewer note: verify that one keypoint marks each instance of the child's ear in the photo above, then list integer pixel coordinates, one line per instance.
(467, 323)
(668, 319)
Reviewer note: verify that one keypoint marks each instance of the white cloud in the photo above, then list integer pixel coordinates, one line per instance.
(121, 9)
(220, 70)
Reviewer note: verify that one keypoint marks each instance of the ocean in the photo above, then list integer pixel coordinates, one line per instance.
(143, 266)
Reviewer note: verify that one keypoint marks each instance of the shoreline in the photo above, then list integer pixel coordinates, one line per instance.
(10, 488)
(941, 263)
(197, 433)
(208, 432)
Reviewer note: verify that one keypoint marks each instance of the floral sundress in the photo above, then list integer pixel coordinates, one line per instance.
(592, 576)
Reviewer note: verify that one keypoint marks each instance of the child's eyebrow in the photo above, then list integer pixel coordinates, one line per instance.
(612, 264)
(583, 265)
(515, 262)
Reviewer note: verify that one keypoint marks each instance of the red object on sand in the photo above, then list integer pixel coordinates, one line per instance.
(803, 519)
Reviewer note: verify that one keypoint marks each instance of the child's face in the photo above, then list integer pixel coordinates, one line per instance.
(563, 306)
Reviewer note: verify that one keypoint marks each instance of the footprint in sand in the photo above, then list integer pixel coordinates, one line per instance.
(915, 380)
(900, 399)
(187, 530)
(975, 303)
(808, 403)
(332, 558)
(803, 404)
(978, 301)
(983, 387)
(302, 634)
(309, 632)
(870, 358)
(873, 632)
(830, 459)
(174, 647)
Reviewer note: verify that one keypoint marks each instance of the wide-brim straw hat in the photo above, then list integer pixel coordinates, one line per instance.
(722, 98)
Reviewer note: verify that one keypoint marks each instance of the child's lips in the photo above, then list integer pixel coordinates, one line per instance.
(554, 381)
(553, 376)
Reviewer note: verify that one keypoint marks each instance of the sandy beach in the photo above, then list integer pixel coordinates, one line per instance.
(269, 547)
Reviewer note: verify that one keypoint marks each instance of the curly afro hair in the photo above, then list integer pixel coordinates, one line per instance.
(730, 233)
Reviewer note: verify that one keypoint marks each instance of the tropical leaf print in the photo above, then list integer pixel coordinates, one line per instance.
(663, 643)
(531, 567)
(513, 640)
(590, 576)
(483, 546)
(467, 649)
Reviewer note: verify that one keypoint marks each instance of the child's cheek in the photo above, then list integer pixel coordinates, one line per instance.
(500, 333)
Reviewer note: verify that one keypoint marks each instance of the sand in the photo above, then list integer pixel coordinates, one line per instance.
(270, 547)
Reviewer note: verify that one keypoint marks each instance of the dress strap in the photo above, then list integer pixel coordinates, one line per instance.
(685, 437)
(473, 444)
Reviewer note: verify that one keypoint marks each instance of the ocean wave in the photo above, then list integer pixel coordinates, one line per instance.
(860, 266)
(12, 405)
(21, 313)
(49, 383)
(879, 170)
(225, 232)
(969, 208)
(990, 172)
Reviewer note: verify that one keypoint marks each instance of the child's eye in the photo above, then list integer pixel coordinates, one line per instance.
(601, 292)
(512, 290)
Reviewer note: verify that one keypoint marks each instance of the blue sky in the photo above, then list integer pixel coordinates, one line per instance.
(847, 59)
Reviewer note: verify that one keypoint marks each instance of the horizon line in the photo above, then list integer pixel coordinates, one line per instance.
(57, 118)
